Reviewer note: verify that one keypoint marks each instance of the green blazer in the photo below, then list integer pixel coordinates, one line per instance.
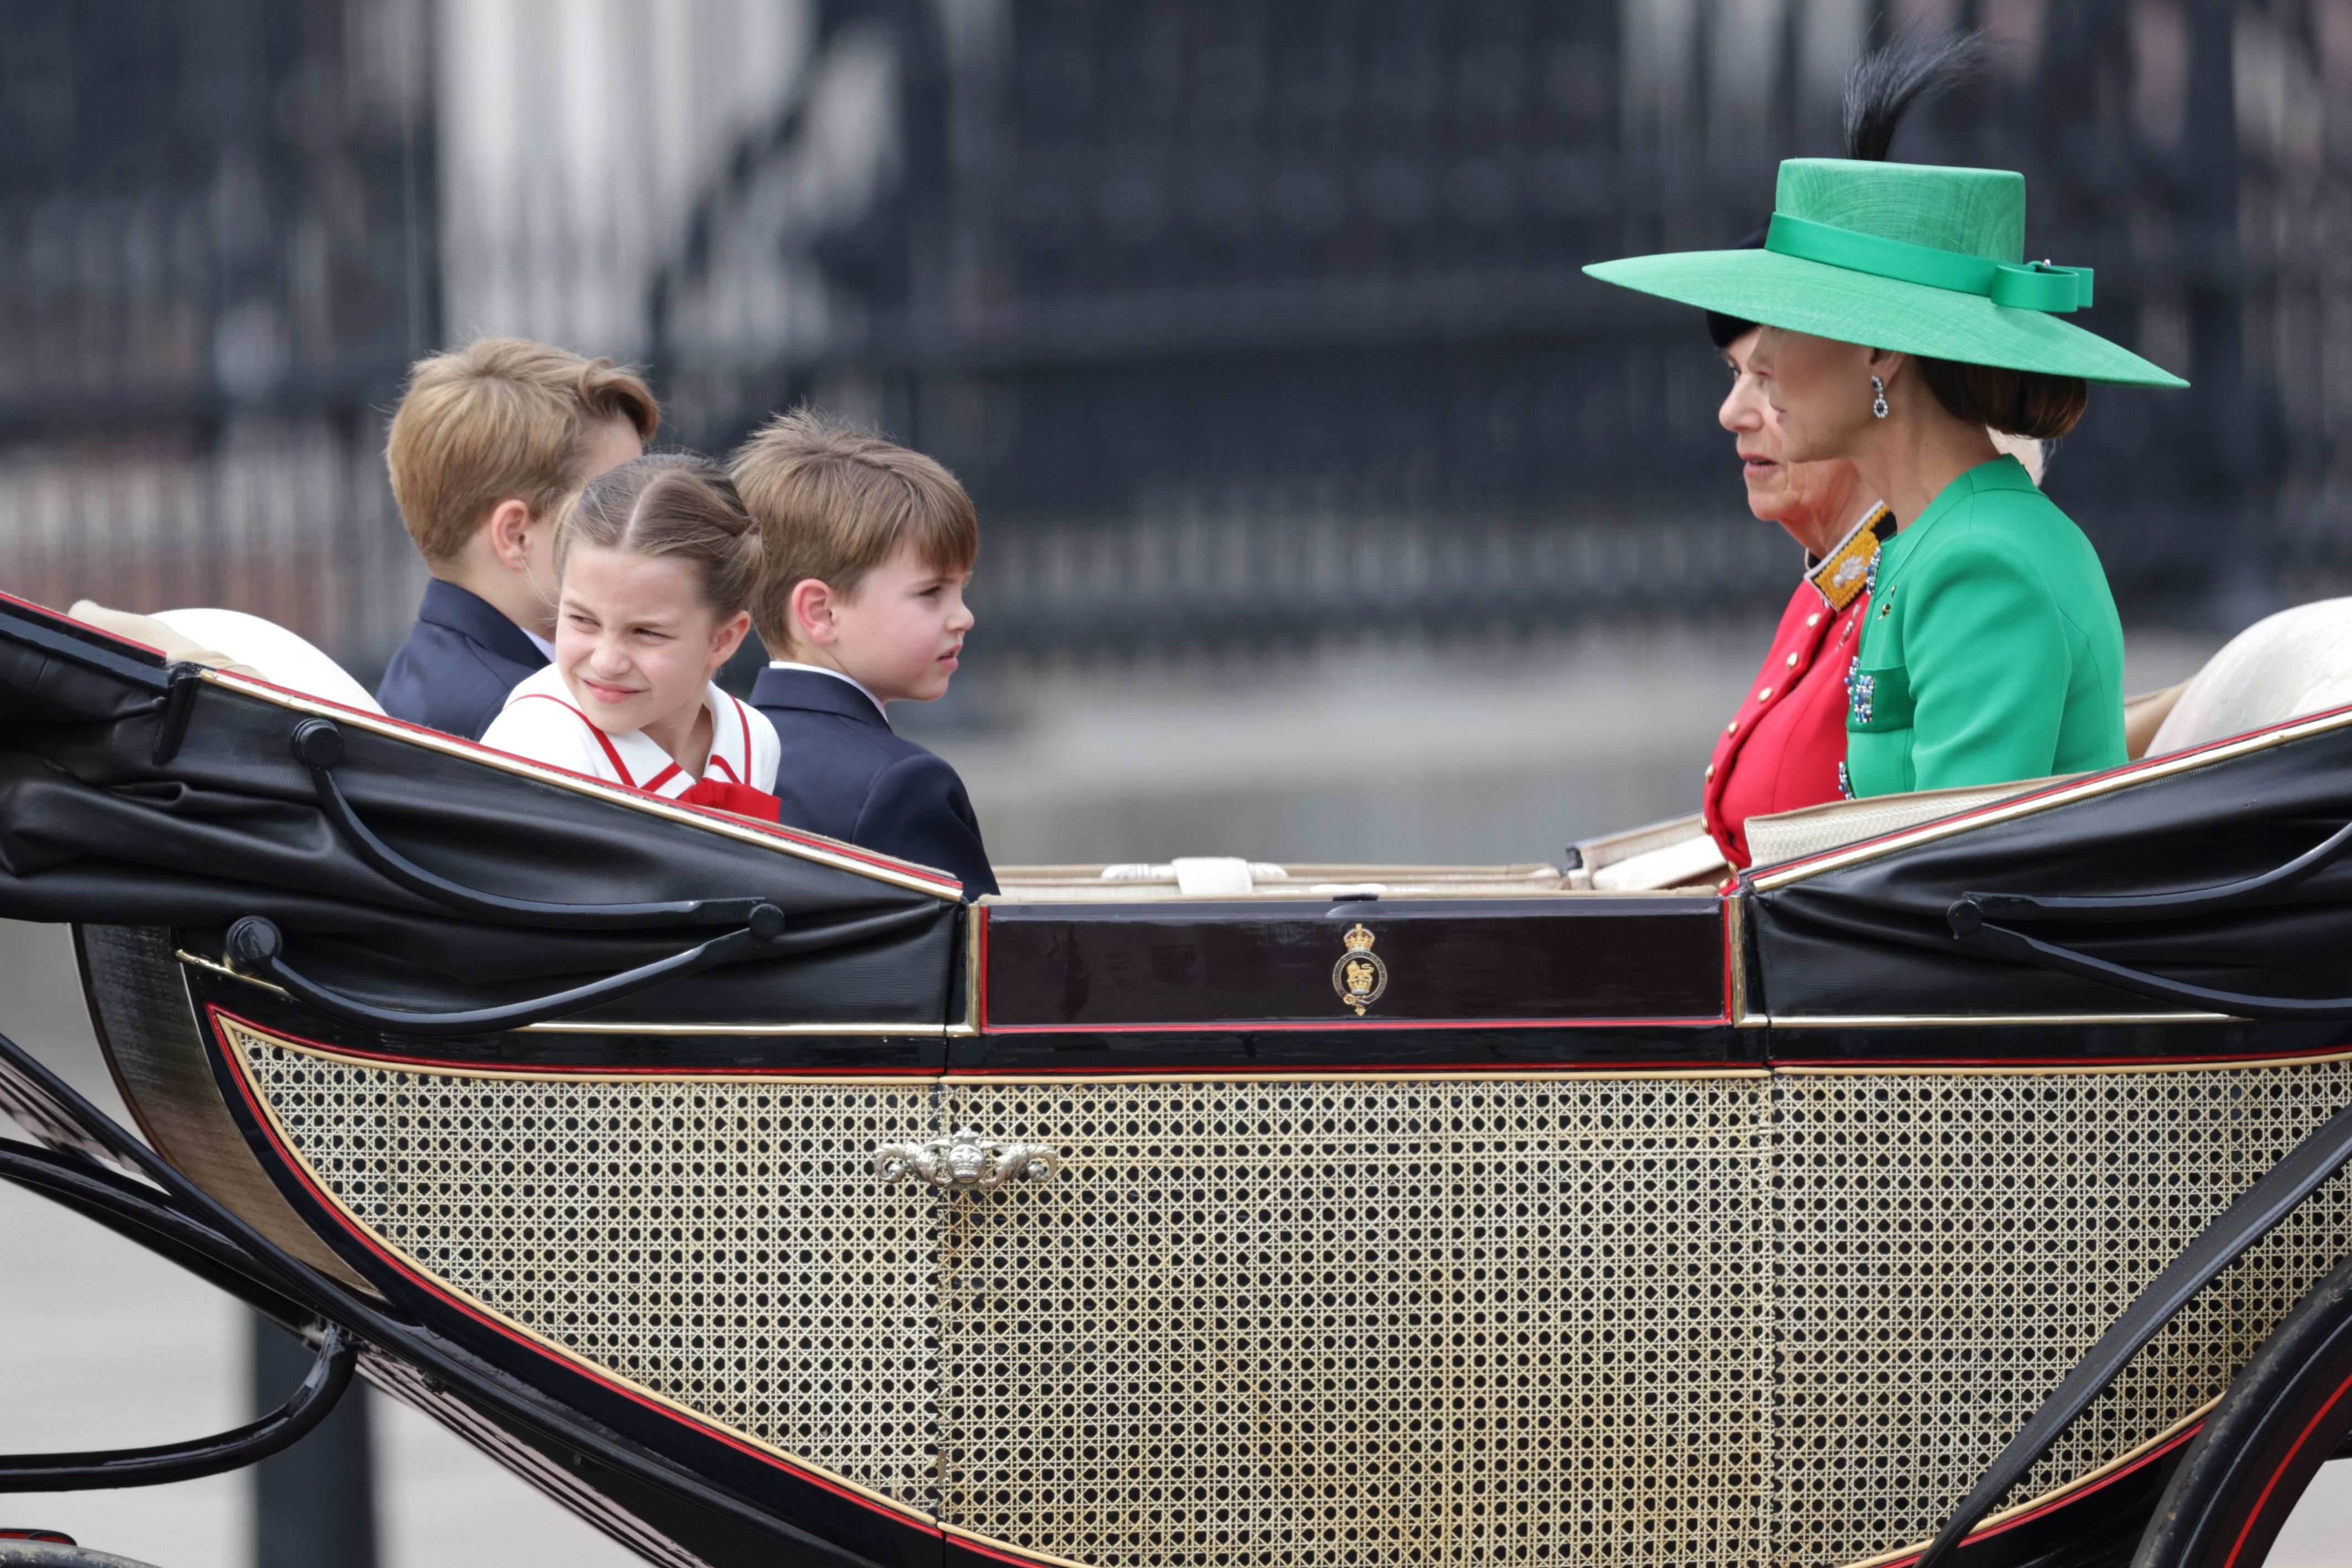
(1992, 651)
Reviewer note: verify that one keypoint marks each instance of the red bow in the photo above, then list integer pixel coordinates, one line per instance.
(738, 798)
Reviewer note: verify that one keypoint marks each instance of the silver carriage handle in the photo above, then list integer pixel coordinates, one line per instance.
(966, 1162)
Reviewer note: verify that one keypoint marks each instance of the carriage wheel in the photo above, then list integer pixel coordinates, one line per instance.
(2287, 1413)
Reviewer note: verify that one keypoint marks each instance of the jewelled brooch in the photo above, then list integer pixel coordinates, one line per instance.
(1858, 692)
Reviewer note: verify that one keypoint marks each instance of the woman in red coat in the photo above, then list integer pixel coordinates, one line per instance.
(1782, 748)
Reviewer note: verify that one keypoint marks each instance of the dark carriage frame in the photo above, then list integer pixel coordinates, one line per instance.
(1765, 976)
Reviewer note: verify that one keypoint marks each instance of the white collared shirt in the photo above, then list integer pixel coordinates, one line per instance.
(837, 675)
(541, 721)
(546, 649)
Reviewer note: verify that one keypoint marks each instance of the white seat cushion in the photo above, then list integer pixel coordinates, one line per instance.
(2297, 662)
(282, 657)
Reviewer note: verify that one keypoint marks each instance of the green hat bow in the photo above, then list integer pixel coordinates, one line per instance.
(1909, 256)
(2036, 286)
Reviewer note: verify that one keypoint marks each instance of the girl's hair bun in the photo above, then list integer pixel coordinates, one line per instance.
(671, 503)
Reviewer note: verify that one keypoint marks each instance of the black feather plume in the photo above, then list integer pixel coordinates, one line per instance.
(1884, 83)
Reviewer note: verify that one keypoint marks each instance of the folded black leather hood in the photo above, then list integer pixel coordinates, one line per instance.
(1871, 937)
(228, 822)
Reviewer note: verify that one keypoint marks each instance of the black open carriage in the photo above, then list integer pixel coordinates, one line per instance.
(762, 1201)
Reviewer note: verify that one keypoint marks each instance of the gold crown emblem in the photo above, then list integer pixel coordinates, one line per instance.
(1360, 977)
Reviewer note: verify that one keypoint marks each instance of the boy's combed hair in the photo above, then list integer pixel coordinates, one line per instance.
(671, 504)
(500, 418)
(835, 502)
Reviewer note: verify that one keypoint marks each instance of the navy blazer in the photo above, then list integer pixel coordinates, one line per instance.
(848, 774)
(461, 659)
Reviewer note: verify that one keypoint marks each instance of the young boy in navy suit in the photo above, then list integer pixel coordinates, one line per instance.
(487, 442)
(869, 546)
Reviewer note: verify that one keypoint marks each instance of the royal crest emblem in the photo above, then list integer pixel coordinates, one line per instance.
(1361, 976)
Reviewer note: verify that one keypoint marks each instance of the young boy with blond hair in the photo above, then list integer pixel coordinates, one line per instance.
(487, 442)
(869, 547)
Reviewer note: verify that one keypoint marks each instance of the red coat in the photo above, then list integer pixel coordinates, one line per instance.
(1782, 749)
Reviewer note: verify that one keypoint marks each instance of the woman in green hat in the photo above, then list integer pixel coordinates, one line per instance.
(1900, 321)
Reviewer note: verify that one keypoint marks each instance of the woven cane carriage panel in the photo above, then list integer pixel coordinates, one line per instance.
(1366, 1321)
(1951, 1245)
(720, 1242)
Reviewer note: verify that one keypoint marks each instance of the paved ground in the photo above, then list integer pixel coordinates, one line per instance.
(2316, 1536)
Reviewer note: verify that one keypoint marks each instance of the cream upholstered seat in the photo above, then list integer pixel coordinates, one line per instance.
(2297, 662)
(1812, 829)
(1676, 853)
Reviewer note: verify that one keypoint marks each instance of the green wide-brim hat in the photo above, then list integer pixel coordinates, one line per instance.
(1908, 256)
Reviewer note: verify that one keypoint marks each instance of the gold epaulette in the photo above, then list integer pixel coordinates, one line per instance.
(1844, 571)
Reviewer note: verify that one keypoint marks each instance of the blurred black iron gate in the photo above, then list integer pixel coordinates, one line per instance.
(1267, 317)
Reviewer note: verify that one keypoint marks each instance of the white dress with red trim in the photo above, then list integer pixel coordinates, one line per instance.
(542, 722)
